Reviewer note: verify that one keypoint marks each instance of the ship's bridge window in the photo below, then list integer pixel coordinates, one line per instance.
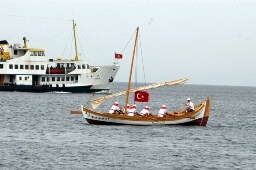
(15, 52)
(10, 66)
(35, 53)
(26, 67)
(53, 78)
(31, 54)
(83, 66)
(31, 67)
(39, 53)
(42, 67)
(21, 67)
(58, 78)
(37, 67)
(16, 66)
(1, 66)
(42, 53)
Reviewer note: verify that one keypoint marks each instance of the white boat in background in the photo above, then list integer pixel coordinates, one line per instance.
(27, 69)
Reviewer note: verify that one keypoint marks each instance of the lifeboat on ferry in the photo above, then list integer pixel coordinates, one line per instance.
(55, 71)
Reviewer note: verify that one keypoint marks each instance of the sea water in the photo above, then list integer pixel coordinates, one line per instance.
(38, 132)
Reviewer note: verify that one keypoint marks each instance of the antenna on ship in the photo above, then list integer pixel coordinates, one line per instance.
(74, 29)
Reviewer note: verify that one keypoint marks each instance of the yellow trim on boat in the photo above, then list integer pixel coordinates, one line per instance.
(36, 50)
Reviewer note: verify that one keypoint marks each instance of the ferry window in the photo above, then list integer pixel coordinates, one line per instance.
(20, 78)
(15, 52)
(31, 67)
(48, 79)
(21, 67)
(10, 66)
(1, 66)
(42, 53)
(83, 66)
(62, 78)
(42, 67)
(26, 67)
(53, 78)
(67, 78)
(39, 53)
(58, 78)
(31, 54)
(88, 66)
(37, 67)
(16, 66)
(76, 77)
(25, 78)
(43, 79)
(35, 53)
(79, 66)
(72, 78)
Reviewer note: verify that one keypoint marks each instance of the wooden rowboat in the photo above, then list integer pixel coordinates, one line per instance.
(199, 116)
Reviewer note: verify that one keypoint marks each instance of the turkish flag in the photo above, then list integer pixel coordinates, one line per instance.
(118, 56)
(141, 96)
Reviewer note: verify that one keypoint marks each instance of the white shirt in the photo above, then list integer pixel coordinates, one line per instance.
(190, 105)
(113, 109)
(161, 112)
(144, 112)
(131, 112)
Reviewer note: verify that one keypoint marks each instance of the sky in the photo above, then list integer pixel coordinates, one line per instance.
(211, 42)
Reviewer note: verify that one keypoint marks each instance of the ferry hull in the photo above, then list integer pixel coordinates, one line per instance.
(40, 89)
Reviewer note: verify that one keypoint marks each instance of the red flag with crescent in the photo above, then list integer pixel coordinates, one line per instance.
(141, 96)
(118, 56)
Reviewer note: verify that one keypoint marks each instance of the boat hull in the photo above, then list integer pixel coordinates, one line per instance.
(199, 117)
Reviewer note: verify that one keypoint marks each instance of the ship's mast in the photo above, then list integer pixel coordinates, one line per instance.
(74, 29)
(130, 77)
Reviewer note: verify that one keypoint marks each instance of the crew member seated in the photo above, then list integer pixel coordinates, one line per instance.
(114, 108)
(145, 111)
(132, 110)
(162, 112)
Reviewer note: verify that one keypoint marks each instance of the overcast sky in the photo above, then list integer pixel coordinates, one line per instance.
(209, 42)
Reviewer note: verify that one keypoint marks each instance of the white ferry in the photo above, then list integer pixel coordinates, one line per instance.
(29, 70)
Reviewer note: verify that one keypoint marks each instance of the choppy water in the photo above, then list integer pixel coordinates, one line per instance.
(37, 132)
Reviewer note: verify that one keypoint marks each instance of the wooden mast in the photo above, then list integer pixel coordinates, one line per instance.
(74, 29)
(130, 77)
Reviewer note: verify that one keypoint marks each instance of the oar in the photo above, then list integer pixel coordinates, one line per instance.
(75, 112)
